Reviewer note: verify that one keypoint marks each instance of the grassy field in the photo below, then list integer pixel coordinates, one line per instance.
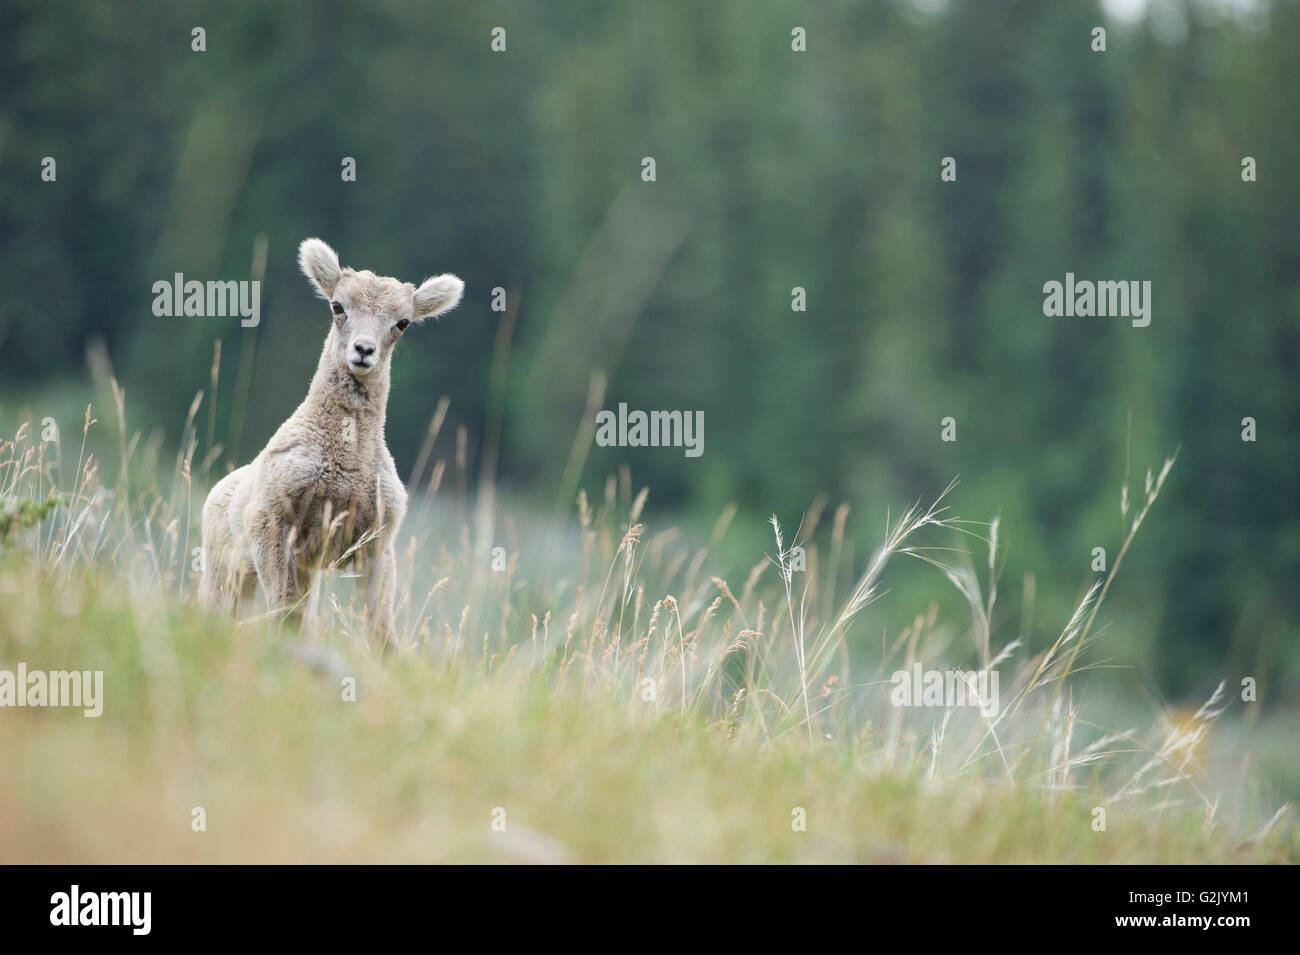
(595, 691)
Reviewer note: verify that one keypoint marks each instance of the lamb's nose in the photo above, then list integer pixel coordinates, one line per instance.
(364, 349)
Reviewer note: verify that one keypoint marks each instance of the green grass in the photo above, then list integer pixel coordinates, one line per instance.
(610, 691)
(412, 771)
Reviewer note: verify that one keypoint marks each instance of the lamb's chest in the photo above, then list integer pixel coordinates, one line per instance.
(340, 505)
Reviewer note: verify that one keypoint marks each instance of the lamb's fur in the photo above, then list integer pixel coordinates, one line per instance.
(326, 479)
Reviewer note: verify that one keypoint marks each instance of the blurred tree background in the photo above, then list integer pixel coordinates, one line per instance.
(775, 169)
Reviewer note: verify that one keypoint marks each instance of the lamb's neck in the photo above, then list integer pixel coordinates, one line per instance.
(341, 400)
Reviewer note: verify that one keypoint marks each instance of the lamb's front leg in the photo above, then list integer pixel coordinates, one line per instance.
(380, 585)
(275, 559)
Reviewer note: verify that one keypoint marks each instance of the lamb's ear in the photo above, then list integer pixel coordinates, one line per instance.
(436, 295)
(319, 263)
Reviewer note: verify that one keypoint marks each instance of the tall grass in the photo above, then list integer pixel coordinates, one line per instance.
(618, 621)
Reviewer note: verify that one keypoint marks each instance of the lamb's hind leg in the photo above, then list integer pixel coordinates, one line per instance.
(215, 592)
(245, 588)
(216, 585)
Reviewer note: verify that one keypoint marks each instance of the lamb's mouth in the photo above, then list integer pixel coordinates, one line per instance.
(360, 366)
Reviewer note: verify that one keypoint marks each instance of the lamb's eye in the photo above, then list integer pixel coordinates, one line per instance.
(401, 325)
(338, 309)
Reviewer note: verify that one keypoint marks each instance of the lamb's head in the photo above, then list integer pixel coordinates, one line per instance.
(371, 311)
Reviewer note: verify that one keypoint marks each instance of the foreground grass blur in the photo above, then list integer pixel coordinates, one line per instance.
(245, 727)
(622, 702)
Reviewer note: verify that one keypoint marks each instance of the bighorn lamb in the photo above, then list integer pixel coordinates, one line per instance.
(326, 481)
